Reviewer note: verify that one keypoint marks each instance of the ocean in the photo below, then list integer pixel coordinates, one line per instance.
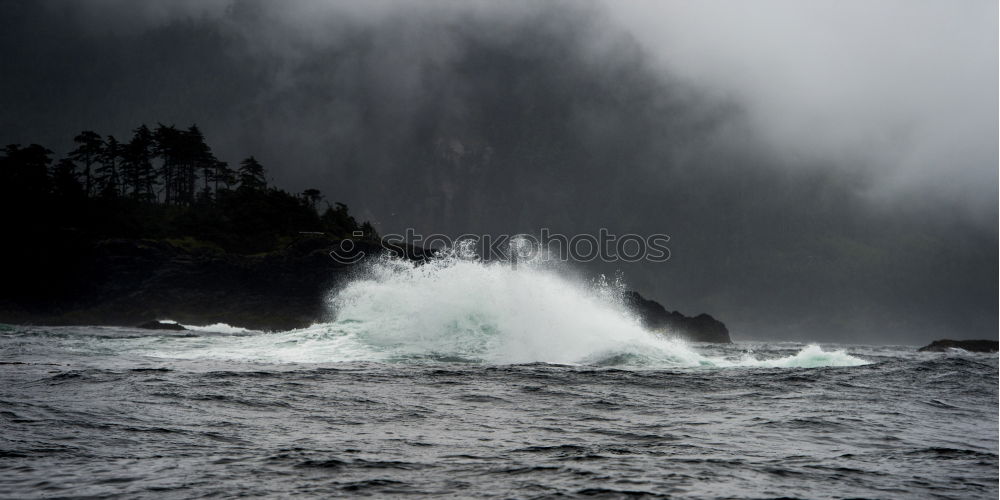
(464, 379)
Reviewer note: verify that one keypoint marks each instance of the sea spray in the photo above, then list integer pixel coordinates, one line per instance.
(459, 309)
(463, 309)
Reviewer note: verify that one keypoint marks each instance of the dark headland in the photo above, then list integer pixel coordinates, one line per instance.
(126, 233)
(133, 282)
(944, 345)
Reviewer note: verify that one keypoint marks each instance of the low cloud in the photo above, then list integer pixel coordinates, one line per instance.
(807, 160)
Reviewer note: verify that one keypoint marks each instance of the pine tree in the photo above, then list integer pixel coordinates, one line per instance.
(200, 157)
(251, 175)
(223, 174)
(88, 153)
(106, 174)
(139, 153)
(168, 148)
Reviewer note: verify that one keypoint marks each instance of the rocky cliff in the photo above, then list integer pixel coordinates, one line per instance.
(700, 328)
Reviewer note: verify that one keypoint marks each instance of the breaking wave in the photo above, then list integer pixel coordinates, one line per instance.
(457, 310)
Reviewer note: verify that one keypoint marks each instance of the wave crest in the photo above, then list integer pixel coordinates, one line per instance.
(457, 310)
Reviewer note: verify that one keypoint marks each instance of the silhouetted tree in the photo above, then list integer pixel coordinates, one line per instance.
(223, 175)
(54, 203)
(138, 164)
(167, 147)
(251, 175)
(200, 157)
(88, 152)
(338, 221)
(312, 196)
(106, 174)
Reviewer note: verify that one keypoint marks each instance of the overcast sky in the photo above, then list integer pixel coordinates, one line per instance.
(905, 87)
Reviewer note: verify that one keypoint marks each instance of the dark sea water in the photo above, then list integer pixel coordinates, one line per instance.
(117, 412)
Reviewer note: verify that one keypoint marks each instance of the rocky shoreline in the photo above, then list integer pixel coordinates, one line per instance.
(131, 282)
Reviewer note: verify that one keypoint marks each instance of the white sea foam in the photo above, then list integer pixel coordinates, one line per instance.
(811, 356)
(218, 328)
